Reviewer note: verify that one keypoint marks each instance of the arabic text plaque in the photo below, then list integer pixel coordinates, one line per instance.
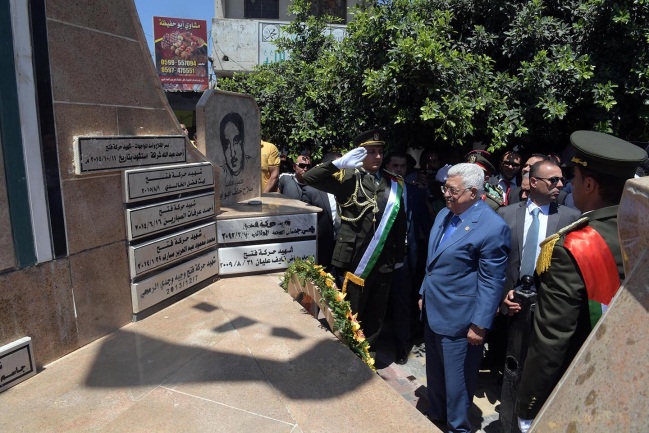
(93, 154)
(16, 363)
(267, 228)
(148, 183)
(172, 281)
(263, 257)
(164, 251)
(147, 220)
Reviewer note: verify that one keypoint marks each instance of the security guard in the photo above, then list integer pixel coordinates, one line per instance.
(579, 269)
(371, 239)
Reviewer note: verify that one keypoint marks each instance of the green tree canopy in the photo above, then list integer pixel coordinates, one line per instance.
(455, 72)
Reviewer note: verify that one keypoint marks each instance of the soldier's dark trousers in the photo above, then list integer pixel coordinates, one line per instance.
(369, 301)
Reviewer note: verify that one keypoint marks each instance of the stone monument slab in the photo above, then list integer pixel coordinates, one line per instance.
(16, 363)
(263, 257)
(155, 182)
(229, 126)
(147, 220)
(169, 249)
(93, 154)
(267, 228)
(161, 286)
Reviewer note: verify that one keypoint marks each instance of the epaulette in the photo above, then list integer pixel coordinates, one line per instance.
(496, 194)
(547, 245)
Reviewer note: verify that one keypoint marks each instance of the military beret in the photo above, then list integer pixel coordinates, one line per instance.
(606, 154)
(374, 137)
(482, 159)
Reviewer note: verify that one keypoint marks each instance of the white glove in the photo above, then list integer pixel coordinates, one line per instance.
(524, 424)
(352, 159)
(442, 173)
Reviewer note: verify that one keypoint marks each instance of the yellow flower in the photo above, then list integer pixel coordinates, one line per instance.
(370, 361)
(340, 296)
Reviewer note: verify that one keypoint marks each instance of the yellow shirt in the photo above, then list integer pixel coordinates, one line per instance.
(269, 158)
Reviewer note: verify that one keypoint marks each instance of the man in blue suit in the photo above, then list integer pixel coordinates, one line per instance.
(465, 274)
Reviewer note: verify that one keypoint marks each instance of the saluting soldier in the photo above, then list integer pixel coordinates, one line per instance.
(579, 269)
(371, 239)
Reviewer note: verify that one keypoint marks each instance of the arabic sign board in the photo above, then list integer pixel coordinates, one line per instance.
(148, 183)
(264, 257)
(269, 32)
(114, 153)
(16, 363)
(181, 53)
(164, 251)
(172, 281)
(267, 228)
(155, 218)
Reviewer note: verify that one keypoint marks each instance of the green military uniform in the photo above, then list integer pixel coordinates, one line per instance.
(492, 196)
(562, 316)
(362, 197)
(564, 312)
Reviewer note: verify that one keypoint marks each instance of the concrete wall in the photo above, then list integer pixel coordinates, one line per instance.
(103, 84)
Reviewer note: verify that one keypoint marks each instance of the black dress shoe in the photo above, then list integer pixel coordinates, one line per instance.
(402, 357)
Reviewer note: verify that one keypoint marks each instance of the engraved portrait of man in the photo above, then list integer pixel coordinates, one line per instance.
(232, 136)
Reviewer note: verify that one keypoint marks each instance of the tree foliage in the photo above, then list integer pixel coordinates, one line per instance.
(453, 72)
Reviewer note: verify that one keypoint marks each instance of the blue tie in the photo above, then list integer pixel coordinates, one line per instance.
(450, 228)
(531, 243)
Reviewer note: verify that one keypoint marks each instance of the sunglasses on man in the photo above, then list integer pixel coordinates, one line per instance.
(553, 180)
(303, 165)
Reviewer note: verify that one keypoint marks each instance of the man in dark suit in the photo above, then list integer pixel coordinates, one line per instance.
(546, 182)
(465, 275)
(371, 239)
(579, 270)
(403, 293)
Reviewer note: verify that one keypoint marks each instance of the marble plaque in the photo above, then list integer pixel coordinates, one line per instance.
(112, 153)
(229, 125)
(148, 183)
(163, 251)
(267, 228)
(155, 218)
(264, 257)
(161, 286)
(16, 363)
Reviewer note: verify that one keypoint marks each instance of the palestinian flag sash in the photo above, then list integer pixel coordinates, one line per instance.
(598, 269)
(373, 250)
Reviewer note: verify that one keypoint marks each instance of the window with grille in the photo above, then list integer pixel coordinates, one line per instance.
(262, 9)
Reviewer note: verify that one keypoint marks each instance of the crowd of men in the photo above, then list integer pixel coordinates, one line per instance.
(443, 250)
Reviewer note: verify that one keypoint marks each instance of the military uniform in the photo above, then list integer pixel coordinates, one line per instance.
(492, 196)
(362, 197)
(573, 265)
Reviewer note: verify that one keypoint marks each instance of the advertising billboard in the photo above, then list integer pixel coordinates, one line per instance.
(181, 53)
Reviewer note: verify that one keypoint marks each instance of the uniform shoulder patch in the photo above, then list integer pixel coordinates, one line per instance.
(547, 245)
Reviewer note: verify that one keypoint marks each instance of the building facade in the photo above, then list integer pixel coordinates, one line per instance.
(243, 31)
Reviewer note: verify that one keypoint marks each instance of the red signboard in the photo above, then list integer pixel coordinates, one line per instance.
(181, 53)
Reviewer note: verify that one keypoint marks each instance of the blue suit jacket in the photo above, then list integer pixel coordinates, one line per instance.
(466, 274)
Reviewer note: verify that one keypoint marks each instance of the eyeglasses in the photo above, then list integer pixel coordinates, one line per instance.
(303, 165)
(511, 164)
(452, 191)
(553, 180)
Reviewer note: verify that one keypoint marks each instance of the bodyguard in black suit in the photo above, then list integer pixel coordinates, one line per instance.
(326, 224)
(545, 181)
